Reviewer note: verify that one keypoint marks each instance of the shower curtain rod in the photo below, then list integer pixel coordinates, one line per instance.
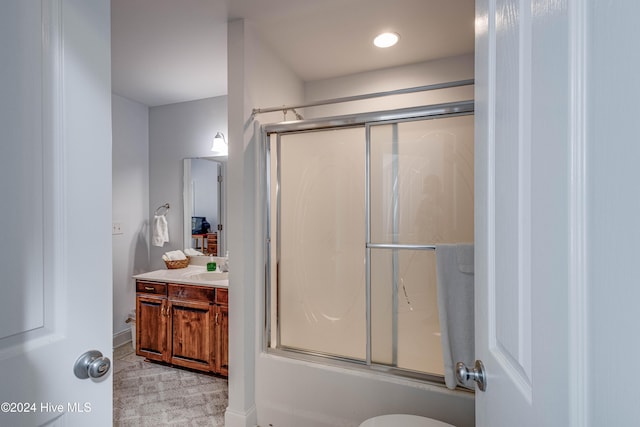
(436, 86)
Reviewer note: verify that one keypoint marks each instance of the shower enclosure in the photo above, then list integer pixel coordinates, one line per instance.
(356, 205)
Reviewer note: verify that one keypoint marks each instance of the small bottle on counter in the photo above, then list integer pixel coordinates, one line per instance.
(223, 265)
(211, 265)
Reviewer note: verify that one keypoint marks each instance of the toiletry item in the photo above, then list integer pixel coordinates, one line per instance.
(222, 265)
(211, 265)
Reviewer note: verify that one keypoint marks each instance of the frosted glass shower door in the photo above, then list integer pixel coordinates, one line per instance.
(321, 273)
(421, 194)
(358, 212)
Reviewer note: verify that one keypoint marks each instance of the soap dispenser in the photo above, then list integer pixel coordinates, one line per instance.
(226, 262)
(211, 265)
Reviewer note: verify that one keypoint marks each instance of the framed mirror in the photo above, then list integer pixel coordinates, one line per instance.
(204, 212)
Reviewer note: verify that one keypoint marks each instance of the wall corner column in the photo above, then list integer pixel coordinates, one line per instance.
(241, 411)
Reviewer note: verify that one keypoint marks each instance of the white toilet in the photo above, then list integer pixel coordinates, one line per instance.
(402, 420)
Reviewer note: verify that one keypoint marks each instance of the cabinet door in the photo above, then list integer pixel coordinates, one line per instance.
(192, 334)
(222, 340)
(151, 327)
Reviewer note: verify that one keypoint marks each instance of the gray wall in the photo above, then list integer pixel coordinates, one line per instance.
(178, 131)
(149, 145)
(130, 205)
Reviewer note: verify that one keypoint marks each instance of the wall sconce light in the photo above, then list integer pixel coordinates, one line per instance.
(219, 147)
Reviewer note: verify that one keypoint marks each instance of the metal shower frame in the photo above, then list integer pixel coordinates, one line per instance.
(365, 120)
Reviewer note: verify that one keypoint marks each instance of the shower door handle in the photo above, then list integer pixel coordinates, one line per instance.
(477, 374)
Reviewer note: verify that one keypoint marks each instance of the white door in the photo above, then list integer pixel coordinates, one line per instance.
(55, 239)
(526, 214)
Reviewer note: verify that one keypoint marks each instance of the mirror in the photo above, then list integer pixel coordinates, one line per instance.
(203, 208)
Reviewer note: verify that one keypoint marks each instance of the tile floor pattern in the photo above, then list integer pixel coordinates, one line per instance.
(150, 394)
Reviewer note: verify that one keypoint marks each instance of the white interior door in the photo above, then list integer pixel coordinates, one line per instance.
(524, 215)
(55, 243)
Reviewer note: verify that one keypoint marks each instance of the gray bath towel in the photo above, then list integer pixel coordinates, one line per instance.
(454, 268)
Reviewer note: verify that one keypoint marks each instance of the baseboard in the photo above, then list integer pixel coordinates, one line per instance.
(241, 419)
(122, 338)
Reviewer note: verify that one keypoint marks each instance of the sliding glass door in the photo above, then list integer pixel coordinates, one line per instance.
(321, 278)
(355, 214)
(421, 194)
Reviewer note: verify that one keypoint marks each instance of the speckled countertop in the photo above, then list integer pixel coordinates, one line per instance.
(189, 275)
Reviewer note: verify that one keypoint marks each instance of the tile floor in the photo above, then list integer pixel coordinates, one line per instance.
(151, 394)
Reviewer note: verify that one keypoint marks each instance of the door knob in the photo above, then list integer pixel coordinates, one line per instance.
(91, 364)
(477, 374)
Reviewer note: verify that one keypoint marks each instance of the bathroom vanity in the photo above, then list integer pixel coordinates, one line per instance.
(182, 318)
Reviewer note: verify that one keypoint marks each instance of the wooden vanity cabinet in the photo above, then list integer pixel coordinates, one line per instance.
(182, 326)
(191, 315)
(222, 332)
(151, 322)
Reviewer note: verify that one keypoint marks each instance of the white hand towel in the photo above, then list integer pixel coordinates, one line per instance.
(160, 231)
(454, 268)
(174, 256)
(192, 252)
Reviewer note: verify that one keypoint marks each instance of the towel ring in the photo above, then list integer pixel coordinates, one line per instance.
(159, 210)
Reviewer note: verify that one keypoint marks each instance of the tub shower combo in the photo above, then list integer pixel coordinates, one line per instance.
(356, 207)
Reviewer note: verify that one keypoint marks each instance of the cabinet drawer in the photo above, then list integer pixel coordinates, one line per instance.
(222, 296)
(191, 292)
(151, 288)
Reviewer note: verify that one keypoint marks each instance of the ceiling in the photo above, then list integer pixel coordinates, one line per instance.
(167, 51)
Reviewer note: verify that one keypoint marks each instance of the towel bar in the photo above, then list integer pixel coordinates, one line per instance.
(398, 246)
(165, 206)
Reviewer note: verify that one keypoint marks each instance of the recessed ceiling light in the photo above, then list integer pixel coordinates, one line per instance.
(386, 39)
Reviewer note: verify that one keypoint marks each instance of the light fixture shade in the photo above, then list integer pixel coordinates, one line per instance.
(219, 147)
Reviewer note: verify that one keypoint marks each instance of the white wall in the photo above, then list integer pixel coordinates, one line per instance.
(612, 90)
(256, 79)
(130, 206)
(426, 73)
(268, 389)
(178, 131)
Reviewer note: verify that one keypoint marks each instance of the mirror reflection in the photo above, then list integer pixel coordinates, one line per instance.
(203, 207)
